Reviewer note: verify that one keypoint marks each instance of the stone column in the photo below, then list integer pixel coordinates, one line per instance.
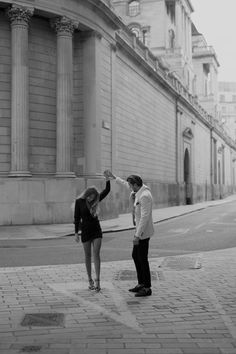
(113, 108)
(92, 103)
(19, 18)
(64, 28)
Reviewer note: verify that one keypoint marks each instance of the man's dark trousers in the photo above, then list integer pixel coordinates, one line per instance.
(140, 257)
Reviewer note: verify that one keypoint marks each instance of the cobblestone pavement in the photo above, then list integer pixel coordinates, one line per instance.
(49, 309)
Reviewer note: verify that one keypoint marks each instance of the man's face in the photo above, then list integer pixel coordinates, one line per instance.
(134, 187)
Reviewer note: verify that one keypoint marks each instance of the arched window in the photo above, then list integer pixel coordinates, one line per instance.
(142, 33)
(136, 29)
(133, 8)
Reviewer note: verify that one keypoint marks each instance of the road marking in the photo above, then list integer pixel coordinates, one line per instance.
(226, 319)
(179, 231)
(223, 223)
(200, 225)
(123, 316)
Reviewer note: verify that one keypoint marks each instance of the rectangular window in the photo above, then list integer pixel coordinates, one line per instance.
(206, 72)
(170, 8)
(133, 8)
(222, 98)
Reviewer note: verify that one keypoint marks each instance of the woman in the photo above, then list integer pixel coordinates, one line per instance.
(86, 219)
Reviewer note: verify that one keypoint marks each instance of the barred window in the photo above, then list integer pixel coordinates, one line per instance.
(134, 8)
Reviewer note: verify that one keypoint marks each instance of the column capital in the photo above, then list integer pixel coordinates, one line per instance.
(19, 14)
(64, 25)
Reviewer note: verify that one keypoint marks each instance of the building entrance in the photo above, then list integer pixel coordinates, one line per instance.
(187, 178)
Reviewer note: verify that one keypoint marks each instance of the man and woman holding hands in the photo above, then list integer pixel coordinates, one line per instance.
(86, 219)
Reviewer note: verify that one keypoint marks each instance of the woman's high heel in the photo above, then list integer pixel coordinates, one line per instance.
(91, 284)
(97, 285)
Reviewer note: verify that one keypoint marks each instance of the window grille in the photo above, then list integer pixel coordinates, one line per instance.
(134, 8)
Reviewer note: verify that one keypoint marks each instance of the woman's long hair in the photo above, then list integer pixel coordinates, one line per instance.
(92, 206)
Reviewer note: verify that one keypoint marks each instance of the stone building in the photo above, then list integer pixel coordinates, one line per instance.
(165, 26)
(79, 94)
(227, 107)
(205, 65)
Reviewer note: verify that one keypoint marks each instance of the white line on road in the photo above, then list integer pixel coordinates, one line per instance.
(200, 225)
(226, 319)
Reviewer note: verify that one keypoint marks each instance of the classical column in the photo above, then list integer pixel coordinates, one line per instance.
(19, 18)
(64, 28)
(113, 107)
(92, 103)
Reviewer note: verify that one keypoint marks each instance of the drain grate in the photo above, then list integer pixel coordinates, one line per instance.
(43, 319)
(31, 349)
(181, 263)
(127, 274)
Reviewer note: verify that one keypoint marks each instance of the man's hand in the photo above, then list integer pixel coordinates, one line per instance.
(108, 174)
(136, 241)
(77, 239)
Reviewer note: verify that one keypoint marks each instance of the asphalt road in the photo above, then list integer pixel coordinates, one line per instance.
(205, 230)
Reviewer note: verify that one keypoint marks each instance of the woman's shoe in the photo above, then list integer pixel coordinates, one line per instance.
(91, 284)
(97, 287)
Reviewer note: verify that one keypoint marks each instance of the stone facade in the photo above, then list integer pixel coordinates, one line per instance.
(227, 107)
(79, 94)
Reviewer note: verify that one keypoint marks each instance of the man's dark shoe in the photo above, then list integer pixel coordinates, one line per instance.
(136, 288)
(144, 292)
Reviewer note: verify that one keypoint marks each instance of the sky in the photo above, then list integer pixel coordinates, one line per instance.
(216, 20)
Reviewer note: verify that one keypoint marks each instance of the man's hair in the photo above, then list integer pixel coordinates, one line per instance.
(134, 179)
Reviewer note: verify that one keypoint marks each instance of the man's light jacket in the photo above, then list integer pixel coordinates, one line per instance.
(143, 210)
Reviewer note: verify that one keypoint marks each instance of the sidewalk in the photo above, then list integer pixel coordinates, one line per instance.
(49, 309)
(124, 222)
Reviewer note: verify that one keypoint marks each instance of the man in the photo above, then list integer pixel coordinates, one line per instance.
(143, 230)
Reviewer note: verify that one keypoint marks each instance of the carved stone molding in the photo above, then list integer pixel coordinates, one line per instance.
(63, 25)
(19, 14)
(187, 133)
(113, 47)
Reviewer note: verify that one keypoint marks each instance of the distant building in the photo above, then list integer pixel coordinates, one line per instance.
(165, 26)
(205, 65)
(227, 107)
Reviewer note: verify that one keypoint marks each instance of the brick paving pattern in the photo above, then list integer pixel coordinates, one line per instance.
(192, 309)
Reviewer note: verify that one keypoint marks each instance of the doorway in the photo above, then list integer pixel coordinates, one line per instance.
(187, 178)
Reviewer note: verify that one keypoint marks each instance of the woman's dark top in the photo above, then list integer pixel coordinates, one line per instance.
(89, 225)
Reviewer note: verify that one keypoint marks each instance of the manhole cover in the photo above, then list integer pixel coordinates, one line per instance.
(127, 274)
(43, 319)
(179, 263)
(31, 349)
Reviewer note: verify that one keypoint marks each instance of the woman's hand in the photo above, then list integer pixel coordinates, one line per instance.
(77, 239)
(109, 175)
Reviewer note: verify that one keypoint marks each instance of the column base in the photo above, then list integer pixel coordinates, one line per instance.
(65, 175)
(19, 174)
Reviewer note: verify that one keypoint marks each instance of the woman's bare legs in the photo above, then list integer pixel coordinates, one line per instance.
(97, 242)
(88, 261)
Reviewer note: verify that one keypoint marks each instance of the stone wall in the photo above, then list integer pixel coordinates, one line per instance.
(128, 115)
